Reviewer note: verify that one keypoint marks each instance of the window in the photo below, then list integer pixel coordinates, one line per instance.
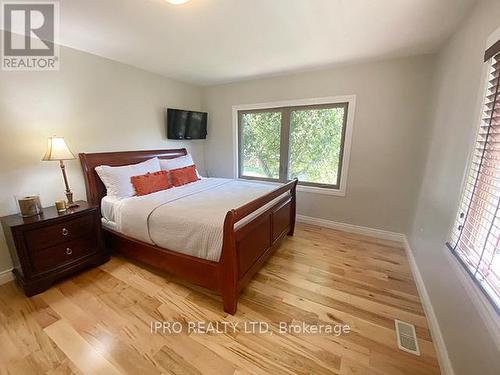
(260, 134)
(475, 238)
(282, 142)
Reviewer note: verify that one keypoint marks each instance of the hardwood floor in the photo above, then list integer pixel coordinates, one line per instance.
(100, 321)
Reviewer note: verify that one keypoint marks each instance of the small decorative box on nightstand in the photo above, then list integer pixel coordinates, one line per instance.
(48, 247)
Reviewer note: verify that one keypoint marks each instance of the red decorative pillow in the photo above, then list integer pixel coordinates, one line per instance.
(150, 182)
(183, 176)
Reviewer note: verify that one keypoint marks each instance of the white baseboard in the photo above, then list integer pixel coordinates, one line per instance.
(6, 276)
(351, 228)
(437, 336)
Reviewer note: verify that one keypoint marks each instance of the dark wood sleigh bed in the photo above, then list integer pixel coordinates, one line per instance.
(244, 249)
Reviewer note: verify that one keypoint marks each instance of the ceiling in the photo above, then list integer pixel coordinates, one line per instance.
(214, 41)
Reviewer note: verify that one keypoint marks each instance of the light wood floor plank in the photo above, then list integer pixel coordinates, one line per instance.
(99, 321)
(85, 356)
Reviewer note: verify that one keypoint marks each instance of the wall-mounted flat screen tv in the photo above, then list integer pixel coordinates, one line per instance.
(183, 124)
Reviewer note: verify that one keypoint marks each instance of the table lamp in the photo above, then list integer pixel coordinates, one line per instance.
(57, 150)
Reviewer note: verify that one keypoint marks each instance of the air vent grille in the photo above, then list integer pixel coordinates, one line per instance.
(407, 338)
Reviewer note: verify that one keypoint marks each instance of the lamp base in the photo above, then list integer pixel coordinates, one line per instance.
(69, 197)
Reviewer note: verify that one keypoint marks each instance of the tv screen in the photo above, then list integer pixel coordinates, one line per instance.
(186, 124)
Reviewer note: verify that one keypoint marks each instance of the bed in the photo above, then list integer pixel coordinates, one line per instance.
(215, 233)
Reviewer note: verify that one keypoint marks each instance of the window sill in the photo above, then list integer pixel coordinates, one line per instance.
(302, 188)
(486, 310)
(320, 190)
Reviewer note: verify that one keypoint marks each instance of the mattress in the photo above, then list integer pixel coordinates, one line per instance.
(188, 219)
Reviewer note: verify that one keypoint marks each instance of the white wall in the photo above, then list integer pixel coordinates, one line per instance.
(457, 93)
(386, 154)
(97, 105)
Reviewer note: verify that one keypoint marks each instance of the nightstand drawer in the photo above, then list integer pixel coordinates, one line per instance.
(51, 235)
(67, 252)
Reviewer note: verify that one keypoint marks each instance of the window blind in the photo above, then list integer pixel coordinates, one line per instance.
(475, 238)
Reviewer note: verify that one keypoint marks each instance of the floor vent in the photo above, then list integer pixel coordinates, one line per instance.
(407, 338)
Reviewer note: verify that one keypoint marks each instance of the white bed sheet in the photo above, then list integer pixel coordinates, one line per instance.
(187, 219)
(110, 207)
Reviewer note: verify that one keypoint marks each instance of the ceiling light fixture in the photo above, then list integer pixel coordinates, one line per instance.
(177, 2)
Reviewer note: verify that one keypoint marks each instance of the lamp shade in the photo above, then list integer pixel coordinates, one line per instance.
(57, 150)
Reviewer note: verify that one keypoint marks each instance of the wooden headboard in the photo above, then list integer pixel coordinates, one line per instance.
(95, 188)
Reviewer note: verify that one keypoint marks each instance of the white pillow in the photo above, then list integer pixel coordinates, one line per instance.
(117, 179)
(178, 162)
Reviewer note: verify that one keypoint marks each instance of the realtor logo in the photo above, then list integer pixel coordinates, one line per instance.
(30, 35)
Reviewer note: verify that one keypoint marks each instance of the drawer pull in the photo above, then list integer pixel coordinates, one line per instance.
(65, 232)
(69, 251)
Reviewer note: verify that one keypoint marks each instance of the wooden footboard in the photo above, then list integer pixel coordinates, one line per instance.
(246, 248)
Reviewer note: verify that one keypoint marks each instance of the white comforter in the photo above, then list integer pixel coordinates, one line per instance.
(187, 219)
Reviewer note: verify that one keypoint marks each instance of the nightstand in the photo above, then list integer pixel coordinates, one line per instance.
(53, 245)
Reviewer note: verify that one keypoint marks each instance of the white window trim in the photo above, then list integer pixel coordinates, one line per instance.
(351, 99)
(481, 302)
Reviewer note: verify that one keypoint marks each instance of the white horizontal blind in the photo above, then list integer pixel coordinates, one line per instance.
(475, 238)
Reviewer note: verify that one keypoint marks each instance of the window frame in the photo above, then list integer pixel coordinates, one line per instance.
(487, 307)
(286, 107)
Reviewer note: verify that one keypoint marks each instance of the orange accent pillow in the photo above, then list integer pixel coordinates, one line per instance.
(151, 182)
(183, 176)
